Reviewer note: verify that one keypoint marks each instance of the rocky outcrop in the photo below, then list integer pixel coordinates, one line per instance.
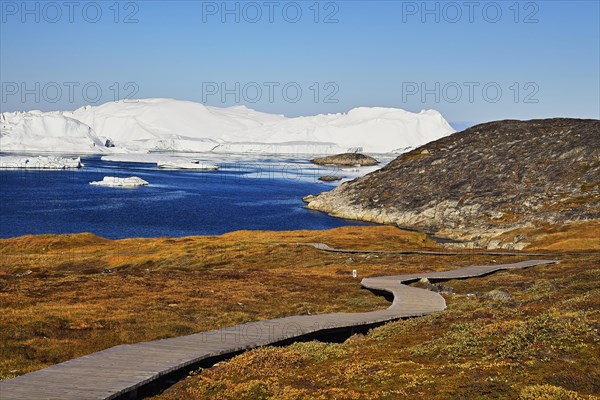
(346, 160)
(481, 182)
(330, 178)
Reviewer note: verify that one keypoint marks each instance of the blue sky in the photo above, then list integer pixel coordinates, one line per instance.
(487, 61)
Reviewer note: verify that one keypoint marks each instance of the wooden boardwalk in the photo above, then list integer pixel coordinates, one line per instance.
(121, 370)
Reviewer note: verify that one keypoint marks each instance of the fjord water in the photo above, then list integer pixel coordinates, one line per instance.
(241, 195)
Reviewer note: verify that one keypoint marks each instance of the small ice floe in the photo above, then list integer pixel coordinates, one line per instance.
(184, 164)
(113, 181)
(40, 162)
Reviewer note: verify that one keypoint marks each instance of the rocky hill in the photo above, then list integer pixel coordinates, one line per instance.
(481, 182)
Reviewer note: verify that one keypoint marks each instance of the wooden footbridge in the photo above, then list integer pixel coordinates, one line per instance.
(119, 372)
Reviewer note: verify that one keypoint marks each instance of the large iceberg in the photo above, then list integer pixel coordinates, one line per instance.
(15, 162)
(184, 126)
(36, 131)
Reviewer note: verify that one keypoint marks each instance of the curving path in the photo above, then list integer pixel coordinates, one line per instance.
(121, 370)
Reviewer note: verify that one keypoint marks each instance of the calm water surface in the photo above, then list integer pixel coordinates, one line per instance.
(261, 194)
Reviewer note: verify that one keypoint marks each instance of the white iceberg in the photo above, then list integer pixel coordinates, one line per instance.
(184, 164)
(183, 126)
(145, 158)
(113, 181)
(164, 161)
(36, 131)
(40, 162)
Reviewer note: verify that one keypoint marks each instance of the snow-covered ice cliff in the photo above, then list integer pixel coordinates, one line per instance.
(185, 126)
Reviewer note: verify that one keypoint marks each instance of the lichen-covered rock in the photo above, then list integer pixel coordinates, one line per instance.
(482, 182)
(442, 289)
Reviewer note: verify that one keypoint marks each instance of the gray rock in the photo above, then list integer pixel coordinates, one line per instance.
(442, 289)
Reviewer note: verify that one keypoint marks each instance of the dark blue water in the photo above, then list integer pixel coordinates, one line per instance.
(177, 203)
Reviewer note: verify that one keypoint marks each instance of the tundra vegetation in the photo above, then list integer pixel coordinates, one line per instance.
(66, 296)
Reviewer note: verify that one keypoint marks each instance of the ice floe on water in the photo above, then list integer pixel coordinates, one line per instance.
(114, 181)
(164, 161)
(183, 164)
